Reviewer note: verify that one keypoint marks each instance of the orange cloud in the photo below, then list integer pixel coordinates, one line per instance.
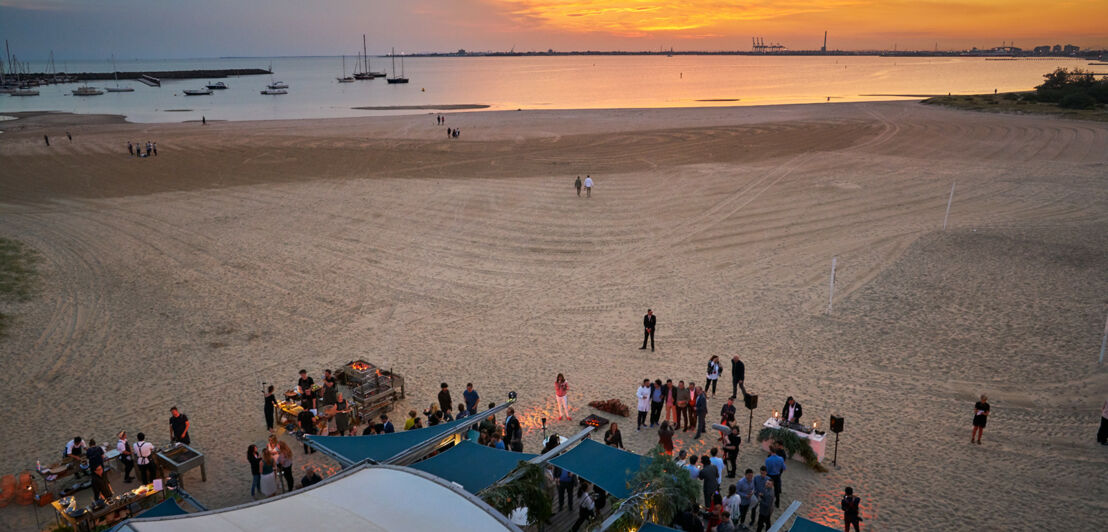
(853, 21)
(633, 18)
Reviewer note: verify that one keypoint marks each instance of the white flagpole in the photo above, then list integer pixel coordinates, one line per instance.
(1104, 342)
(948, 202)
(831, 297)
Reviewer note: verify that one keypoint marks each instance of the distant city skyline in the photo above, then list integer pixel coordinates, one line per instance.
(85, 29)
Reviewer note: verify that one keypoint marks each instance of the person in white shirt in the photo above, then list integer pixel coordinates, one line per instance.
(144, 459)
(125, 456)
(644, 402)
(714, 369)
(588, 187)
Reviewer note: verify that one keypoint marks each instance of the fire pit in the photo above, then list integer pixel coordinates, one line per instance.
(179, 459)
(375, 389)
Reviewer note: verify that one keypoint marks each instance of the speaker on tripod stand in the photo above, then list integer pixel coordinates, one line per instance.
(837, 428)
(751, 402)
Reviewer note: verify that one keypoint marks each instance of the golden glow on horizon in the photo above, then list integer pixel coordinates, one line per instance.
(863, 19)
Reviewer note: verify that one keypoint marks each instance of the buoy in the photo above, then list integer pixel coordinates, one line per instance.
(422, 90)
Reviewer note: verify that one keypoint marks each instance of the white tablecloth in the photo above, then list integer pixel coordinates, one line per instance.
(818, 443)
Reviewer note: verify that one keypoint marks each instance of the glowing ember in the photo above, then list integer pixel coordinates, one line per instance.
(361, 366)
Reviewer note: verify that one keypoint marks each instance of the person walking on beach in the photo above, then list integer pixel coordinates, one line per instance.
(643, 396)
(588, 186)
(1102, 434)
(649, 322)
(445, 402)
(980, 416)
(577, 185)
(47, 139)
(68, 136)
(714, 370)
(130, 149)
(738, 375)
(155, 146)
(561, 389)
(851, 512)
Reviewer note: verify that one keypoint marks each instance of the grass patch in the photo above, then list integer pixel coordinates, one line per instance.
(1019, 103)
(18, 277)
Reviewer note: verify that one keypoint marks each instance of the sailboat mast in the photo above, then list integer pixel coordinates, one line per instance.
(365, 55)
(393, 54)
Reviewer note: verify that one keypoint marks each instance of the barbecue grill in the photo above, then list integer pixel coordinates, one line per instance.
(179, 459)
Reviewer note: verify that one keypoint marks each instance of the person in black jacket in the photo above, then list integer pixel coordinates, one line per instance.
(792, 411)
(851, 513)
(738, 375)
(513, 433)
(648, 323)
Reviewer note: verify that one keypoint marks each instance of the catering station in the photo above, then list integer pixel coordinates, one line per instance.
(115, 509)
(816, 440)
(371, 391)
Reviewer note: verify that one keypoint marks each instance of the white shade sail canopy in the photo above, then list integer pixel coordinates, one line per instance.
(367, 497)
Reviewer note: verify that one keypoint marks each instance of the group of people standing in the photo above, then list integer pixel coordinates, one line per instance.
(138, 455)
(135, 149)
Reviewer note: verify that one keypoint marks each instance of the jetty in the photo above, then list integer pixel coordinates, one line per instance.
(153, 78)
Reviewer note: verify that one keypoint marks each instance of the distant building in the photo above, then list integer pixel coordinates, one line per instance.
(1070, 49)
(1042, 50)
(1057, 49)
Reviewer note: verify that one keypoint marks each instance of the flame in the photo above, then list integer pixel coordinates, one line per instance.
(361, 366)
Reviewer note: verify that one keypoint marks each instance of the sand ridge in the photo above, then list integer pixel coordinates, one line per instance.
(248, 250)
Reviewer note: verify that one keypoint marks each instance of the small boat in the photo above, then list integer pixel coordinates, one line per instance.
(345, 78)
(87, 91)
(397, 79)
(117, 88)
(274, 92)
(219, 85)
(277, 85)
(197, 92)
(366, 73)
(24, 92)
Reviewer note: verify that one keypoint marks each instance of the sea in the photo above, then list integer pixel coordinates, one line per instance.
(532, 82)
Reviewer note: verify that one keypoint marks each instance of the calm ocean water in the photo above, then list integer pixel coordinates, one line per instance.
(534, 83)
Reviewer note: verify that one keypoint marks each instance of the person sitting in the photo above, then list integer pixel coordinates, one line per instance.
(311, 476)
(613, 437)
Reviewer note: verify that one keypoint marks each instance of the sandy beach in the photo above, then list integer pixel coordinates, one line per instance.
(248, 250)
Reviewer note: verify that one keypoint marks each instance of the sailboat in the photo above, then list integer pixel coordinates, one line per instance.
(367, 73)
(395, 78)
(117, 88)
(345, 78)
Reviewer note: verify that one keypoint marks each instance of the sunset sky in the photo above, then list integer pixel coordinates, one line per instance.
(207, 28)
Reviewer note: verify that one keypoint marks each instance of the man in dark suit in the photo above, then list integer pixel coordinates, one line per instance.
(792, 411)
(648, 323)
(701, 411)
(513, 433)
(738, 375)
